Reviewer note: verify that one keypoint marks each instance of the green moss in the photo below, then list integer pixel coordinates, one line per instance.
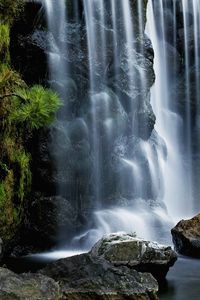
(38, 109)
(9, 79)
(10, 9)
(20, 115)
(7, 209)
(4, 42)
(2, 194)
(23, 160)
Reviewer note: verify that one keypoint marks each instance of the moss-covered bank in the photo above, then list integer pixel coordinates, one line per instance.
(23, 110)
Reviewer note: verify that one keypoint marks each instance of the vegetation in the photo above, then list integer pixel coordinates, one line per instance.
(38, 109)
(4, 41)
(10, 9)
(22, 111)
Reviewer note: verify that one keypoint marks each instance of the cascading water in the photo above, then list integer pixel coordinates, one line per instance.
(136, 168)
(175, 124)
(117, 169)
(168, 122)
(56, 19)
(58, 66)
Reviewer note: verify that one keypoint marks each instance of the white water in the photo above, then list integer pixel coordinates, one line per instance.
(56, 20)
(54, 255)
(177, 172)
(58, 66)
(170, 179)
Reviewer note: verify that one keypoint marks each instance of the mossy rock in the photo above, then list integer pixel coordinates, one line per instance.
(27, 286)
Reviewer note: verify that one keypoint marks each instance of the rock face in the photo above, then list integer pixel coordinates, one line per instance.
(27, 286)
(186, 237)
(83, 277)
(127, 250)
(47, 223)
(1, 248)
(74, 132)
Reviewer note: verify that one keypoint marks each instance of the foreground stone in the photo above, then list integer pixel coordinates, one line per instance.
(27, 286)
(186, 237)
(143, 256)
(85, 278)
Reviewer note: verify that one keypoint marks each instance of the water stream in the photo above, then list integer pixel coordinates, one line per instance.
(141, 178)
(126, 141)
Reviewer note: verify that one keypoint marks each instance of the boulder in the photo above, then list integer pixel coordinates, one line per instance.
(47, 219)
(83, 277)
(127, 250)
(27, 286)
(186, 237)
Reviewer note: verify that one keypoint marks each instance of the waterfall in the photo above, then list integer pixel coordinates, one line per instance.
(173, 125)
(58, 67)
(130, 149)
(56, 19)
(124, 87)
(168, 121)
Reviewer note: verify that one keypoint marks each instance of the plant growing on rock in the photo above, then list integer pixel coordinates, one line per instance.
(10, 9)
(38, 108)
(4, 41)
(22, 111)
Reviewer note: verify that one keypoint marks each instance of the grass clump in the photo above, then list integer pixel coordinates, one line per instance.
(9, 79)
(7, 209)
(23, 160)
(38, 109)
(4, 42)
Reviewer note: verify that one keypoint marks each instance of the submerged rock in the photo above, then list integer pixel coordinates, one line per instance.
(143, 256)
(27, 286)
(83, 277)
(186, 237)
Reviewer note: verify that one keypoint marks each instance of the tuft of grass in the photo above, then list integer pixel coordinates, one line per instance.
(7, 210)
(2, 194)
(4, 42)
(38, 109)
(9, 80)
(23, 160)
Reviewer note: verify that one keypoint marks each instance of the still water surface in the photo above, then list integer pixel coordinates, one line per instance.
(183, 281)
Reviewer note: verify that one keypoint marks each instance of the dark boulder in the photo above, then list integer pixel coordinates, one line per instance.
(84, 278)
(51, 218)
(186, 237)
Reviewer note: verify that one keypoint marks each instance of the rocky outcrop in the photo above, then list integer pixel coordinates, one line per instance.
(134, 253)
(186, 237)
(83, 277)
(27, 286)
